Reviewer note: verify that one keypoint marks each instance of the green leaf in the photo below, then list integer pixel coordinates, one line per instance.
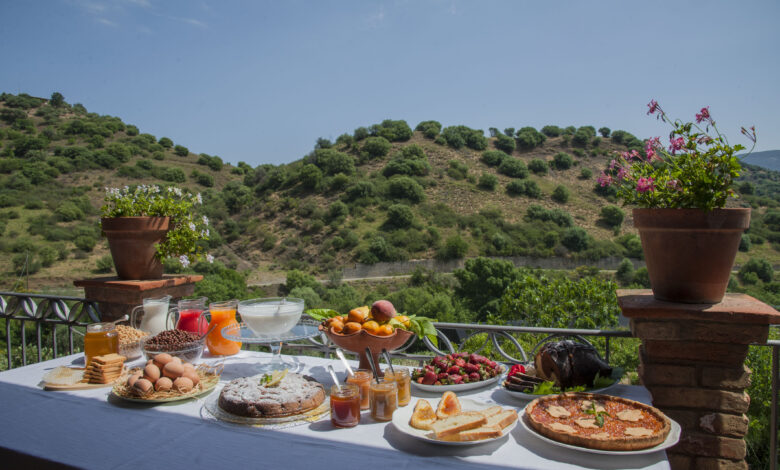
(320, 314)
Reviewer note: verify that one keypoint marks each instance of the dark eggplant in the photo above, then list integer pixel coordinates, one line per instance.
(569, 364)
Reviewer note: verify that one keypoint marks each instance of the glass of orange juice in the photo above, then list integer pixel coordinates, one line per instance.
(222, 314)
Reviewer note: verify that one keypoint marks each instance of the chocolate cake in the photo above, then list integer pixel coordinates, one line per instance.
(295, 394)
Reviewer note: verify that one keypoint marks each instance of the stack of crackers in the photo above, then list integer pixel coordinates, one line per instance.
(104, 369)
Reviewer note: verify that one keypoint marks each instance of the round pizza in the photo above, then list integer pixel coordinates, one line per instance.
(597, 421)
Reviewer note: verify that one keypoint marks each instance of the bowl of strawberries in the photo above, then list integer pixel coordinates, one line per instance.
(457, 372)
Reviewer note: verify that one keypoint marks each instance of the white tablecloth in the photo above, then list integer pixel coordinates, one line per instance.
(90, 430)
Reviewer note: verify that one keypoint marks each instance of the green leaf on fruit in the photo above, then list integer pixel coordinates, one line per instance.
(320, 314)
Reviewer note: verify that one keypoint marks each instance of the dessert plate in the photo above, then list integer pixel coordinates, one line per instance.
(211, 405)
(402, 416)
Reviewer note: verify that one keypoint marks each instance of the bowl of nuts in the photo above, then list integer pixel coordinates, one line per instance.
(178, 343)
(130, 341)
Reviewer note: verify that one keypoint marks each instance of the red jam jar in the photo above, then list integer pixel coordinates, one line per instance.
(345, 405)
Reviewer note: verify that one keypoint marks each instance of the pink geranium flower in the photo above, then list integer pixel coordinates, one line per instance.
(650, 147)
(644, 185)
(604, 179)
(676, 144)
(653, 107)
(703, 115)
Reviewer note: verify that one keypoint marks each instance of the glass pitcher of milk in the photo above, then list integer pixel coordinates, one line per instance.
(153, 316)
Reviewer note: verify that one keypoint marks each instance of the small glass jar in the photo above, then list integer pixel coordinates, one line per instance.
(345, 405)
(362, 378)
(383, 400)
(100, 339)
(403, 381)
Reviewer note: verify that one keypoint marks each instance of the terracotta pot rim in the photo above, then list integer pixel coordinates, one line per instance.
(134, 224)
(726, 219)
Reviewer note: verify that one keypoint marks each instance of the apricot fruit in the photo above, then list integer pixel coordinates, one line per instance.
(372, 327)
(352, 327)
(358, 315)
(385, 330)
(336, 326)
(382, 311)
(404, 320)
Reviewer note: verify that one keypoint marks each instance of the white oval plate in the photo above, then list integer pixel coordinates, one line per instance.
(671, 439)
(402, 416)
(459, 387)
(531, 396)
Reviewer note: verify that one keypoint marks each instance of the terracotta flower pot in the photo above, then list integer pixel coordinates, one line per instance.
(690, 252)
(132, 242)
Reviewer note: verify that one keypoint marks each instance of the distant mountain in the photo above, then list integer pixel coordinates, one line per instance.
(769, 159)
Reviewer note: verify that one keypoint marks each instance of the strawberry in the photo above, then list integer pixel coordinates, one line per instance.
(474, 377)
(442, 375)
(469, 367)
(457, 378)
(460, 362)
(429, 378)
(453, 370)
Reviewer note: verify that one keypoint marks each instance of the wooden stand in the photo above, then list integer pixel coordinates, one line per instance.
(692, 360)
(117, 297)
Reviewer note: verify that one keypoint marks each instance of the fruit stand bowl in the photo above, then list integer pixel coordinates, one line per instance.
(358, 341)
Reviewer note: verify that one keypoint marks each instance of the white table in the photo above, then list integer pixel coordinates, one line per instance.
(89, 430)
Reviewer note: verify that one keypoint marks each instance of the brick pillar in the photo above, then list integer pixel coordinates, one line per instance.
(692, 360)
(116, 297)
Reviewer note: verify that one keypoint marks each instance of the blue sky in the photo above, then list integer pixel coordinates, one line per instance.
(259, 81)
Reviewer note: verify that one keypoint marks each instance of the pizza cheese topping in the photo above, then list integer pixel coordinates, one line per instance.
(558, 411)
(630, 415)
(563, 427)
(598, 407)
(587, 423)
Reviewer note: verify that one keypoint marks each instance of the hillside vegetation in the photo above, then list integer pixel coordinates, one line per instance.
(385, 192)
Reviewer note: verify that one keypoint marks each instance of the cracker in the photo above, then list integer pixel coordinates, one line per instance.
(107, 358)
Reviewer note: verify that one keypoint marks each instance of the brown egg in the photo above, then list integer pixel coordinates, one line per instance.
(150, 361)
(192, 375)
(133, 379)
(161, 359)
(163, 384)
(142, 387)
(182, 384)
(187, 366)
(151, 373)
(177, 360)
(173, 370)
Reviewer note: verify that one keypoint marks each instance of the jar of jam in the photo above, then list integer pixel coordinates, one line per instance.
(345, 405)
(383, 400)
(403, 380)
(100, 339)
(362, 378)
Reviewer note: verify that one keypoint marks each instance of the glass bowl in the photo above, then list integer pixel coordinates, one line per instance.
(190, 353)
(272, 316)
(130, 350)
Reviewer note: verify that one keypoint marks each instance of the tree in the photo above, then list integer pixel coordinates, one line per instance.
(165, 142)
(360, 133)
(404, 187)
(505, 143)
(575, 239)
(332, 161)
(524, 188)
(625, 272)
(538, 166)
(430, 129)
(493, 157)
(399, 216)
(181, 151)
(57, 99)
(604, 131)
(376, 147)
(513, 167)
(761, 267)
(394, 131)
(509, 131)
(562, 161)
(482, 282)
(612, 216)
(323, 143)
(551, 131)
(454, 248)
(310, 177)
(561, 194)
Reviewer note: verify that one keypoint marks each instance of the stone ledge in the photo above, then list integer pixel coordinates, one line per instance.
(138, 285)
(735, 308)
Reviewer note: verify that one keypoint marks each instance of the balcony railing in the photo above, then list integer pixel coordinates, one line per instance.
(61, 315)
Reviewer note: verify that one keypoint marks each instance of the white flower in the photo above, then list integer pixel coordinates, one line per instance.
(192, 226)
(209, 258)
(199, 198)
(177, 191)
(205, 221)
(204, 233)
(185, 262)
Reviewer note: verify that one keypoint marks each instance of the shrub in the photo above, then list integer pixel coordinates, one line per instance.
(625, 272)
(25, 263)
(747, 188)
(85, 242)
(104, 264)
(562, 161)
(310, 177)
(538, 166)
(165, 142)
(361, 189)
(375, 147)
(509, 132)
(454, 248)
(527, 188)
(360, 133)
(337, 211)
(430, 129)
(47, 256)
(404, 187)
(528, 138)
(394, 131)
(575, 239)
(181, 150)
(744, 243)
(551, 131)
(204, 179)
(761, 267)
(612, 216)
(68, 211)
(411, 160)
(561, 194)
(604, 131)
(173, 174)
(131, 130)
(513, 167)
(488, 181)
(581, 138)
(345, 140)
(505, 143)
(399, 216)
(332, 161)
(457, 170)
(323, 143)
(586, 174)
(459, 136)
(493, 157)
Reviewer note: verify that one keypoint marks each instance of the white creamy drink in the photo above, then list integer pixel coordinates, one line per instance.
(272, 317)
(155, 318)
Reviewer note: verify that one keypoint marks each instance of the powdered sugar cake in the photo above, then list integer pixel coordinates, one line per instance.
(295, 394)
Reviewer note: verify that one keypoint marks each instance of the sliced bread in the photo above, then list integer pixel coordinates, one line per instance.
(449, 405)
(493, 410)
(476, 434)
(423, 416)
(460, 422)
(502, 419)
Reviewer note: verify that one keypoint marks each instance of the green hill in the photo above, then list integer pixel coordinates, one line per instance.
(769, 159)
(381, 193)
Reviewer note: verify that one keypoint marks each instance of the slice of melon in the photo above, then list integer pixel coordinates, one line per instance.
(448, 405)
